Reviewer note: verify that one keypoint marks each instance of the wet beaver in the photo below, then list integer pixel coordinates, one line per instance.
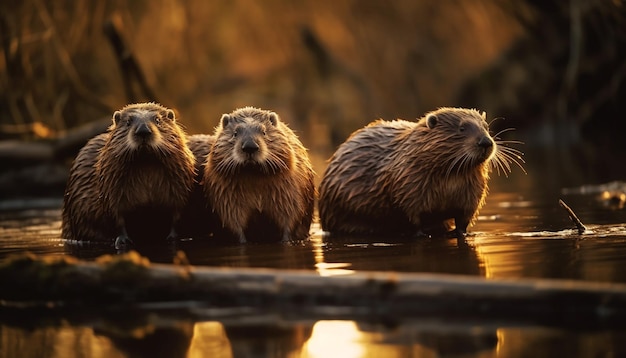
(197, 219)
(404, 177)
(131, 182)
(258, 178)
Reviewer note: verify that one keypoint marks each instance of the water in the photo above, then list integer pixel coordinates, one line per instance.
(517, 236)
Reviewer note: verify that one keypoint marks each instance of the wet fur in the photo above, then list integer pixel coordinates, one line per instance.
(266, 196)
(401, 177)
(120, 183)
(198, 220)
(84, 217)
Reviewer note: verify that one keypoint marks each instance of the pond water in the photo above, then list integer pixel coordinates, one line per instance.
(521, 233)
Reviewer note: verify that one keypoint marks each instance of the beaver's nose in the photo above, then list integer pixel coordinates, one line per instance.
(143, 130)
(250, 146)
(485, 142)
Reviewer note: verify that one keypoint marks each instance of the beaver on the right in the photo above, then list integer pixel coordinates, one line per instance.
(413, 178)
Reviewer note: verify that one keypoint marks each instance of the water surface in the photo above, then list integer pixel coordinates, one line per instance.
(516, 236)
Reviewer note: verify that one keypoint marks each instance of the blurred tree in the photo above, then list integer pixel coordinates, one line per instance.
(565, 81)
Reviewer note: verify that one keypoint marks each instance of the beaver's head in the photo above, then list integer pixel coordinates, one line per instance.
(142, 126)
(468, 130)
(459, 139)
(455, 139)
(250, 139)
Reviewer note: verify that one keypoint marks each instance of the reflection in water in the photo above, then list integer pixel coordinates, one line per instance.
(422, 255)
(276, 337)
(54, 342)
(209, 340)
(418, 339)
(321, 266)
(335, 338)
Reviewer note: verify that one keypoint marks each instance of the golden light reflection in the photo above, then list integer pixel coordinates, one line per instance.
(501, 260)
(501, 341)
(484, 259)
(209, 340)
(326, 268)
(334, 339)
(346, 339)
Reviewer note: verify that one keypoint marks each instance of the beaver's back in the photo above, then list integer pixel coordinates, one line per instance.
(198, 219)
(351, 189)
(84, 217)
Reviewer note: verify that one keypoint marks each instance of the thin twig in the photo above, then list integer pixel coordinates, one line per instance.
(579, 225)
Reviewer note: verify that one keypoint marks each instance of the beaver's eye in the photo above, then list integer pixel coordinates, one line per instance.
(235, 133)
(462, 128)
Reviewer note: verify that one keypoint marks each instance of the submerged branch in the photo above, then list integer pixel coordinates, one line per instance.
(579, 225)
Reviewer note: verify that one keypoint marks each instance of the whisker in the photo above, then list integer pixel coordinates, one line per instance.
(277, 163)
(506, 160)
(499, 141)
(495, 164)
(512, 158)
(452, 165)
(501, 165)
(462, 164)
(517, 162)
(493, 120)
(503, 131)
(510, 150)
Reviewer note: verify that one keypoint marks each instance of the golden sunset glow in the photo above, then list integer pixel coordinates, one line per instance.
(209, 340)
(334, 339)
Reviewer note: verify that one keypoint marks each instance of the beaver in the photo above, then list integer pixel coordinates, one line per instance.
(131, 182)
(401, 177)
(258, 178)
(198, 220)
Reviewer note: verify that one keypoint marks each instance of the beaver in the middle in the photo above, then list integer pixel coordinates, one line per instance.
(258, 178)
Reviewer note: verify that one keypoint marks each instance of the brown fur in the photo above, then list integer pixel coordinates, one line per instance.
(405, 177)
(198, 220)
(84, 217)
(133, 180)
(267, 194)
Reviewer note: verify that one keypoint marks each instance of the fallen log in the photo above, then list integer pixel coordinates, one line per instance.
(130, 280)
(42, 167)
(19, 152)
(15, 153)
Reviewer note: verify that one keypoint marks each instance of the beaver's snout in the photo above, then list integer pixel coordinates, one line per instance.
(250, 146)
(485, 142)
(143, 131)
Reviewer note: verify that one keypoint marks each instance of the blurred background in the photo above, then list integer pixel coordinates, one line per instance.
(553, 70)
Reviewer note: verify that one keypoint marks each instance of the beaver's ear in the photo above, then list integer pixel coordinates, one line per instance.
(273, 118)
(170, 114)
(431, 121)
(117, 116)
(224, 120)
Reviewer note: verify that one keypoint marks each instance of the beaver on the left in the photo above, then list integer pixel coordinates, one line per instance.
(130, 184)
